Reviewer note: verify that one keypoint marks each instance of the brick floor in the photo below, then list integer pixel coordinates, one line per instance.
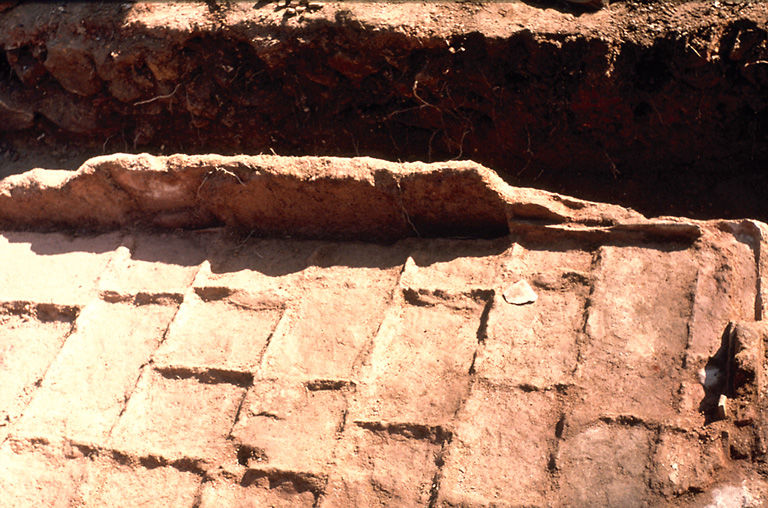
(32, 474)
(682, 462)
(605, 466)
(309, 344)
(381, 465)
(537, 344)
(635, 346)
(162, 263)
(46, 474)
(201, 369)
(130, 484)
(46, 262)
(418, 348)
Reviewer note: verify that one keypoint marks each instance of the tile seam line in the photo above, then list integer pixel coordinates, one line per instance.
(474, 378)
(584, 338)
(394, 299)
(135, 458)
(760, 239)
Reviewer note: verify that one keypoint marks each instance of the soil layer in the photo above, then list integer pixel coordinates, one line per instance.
(661, 106)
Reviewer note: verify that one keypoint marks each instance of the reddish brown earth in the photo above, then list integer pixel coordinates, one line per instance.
(658, 105)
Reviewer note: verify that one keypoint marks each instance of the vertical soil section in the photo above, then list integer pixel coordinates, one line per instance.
(659, 106)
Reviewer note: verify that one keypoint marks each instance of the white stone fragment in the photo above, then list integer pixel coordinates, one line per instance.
(722, 407)
(520, 293)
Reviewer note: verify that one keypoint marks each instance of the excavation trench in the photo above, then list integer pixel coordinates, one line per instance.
(662, 107)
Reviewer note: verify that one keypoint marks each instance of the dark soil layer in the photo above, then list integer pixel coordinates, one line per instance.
(661, 106)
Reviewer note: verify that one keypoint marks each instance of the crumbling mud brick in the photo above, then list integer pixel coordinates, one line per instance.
(725, 291)
(290, 426)
(222, 329)
(501, 449)
(380, 465)
(86, 387)
(179, 418)
(685, 462)
(748, 356)
(744, 388)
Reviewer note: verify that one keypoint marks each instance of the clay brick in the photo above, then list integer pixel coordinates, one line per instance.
(455, 266)
(257, 263)
(417, 349)
(157, 263)
(288, 426)
(501, 448)
(43, 474)
(87, 385)
(535, 344)
(382, 467)
(38, 476)
(543, 261)
(132, 485)
(637, 329)
(179, 418)
(725, 291)
(40, 267)
(685, 463)
(326, 332)
(363, 264)
(28, 346)
(605, 466)
(337, 306)
(224, 330)
(257, 490)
